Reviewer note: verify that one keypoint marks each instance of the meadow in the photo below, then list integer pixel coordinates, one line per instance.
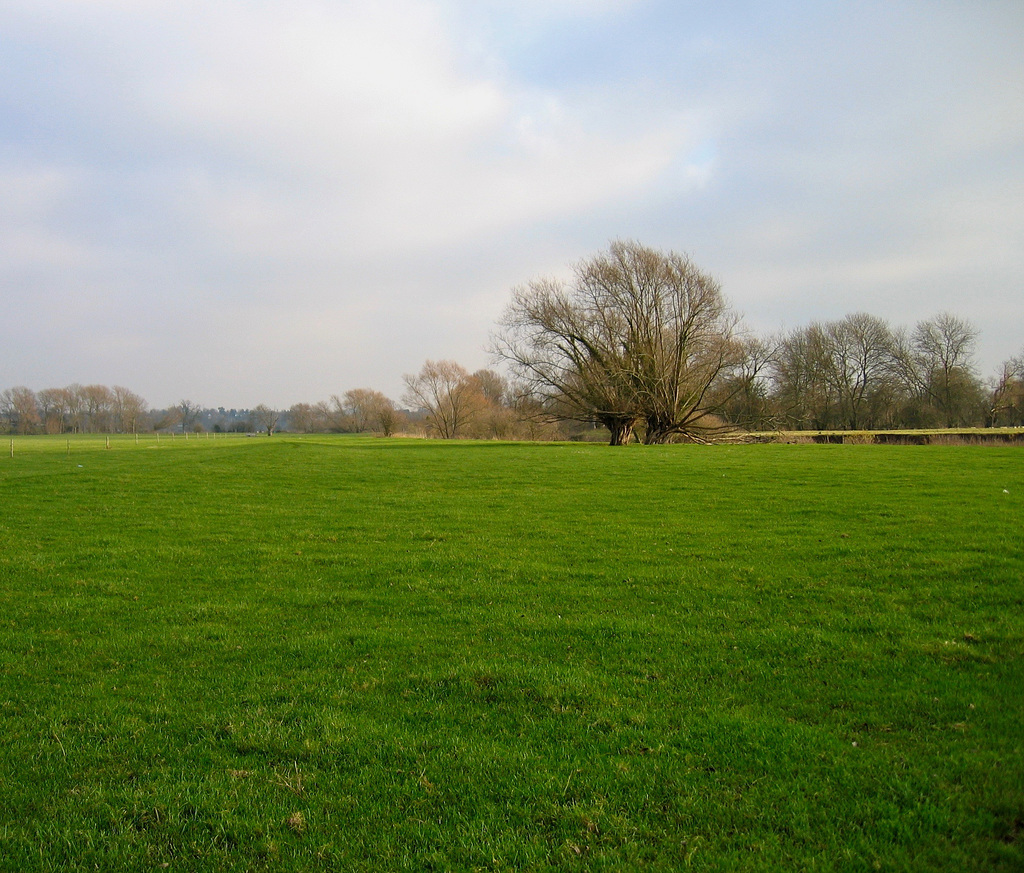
(353, 654)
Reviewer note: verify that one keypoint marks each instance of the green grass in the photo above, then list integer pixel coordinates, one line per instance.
(354, 654)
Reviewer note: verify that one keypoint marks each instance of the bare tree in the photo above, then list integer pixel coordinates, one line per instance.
(53, 409)
(97, 404)
(358, 405)
(937, 363)
(186, 412)
(566, 353)
(366, 410)
(859, 365)
(307, 418)
(746, 394)
(265, 418)
(800, 392)
(447, 394)
(638, 336)
(493, 386)
(21, 410)
(841, 373)
(76, 411)
(496, 418)
(390, 418)
(128, 409)
(384, 414)
(336, 416)
(1006, 395)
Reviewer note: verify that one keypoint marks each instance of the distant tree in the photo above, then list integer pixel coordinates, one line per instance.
(368, 410)
(859, 364)
(937, 364)
(265, 418)
(838, 374)
(76, 418)
(53, 409)
(19, 410)
(336, 416)
(186, 413)
(746, 393)
(306, 418)
(638, 336)
(493, 386)
(390, 419)
(800, 391)
(97, 404)
(128, 409)
(447, 394)
(1006, 394)
(385, 416)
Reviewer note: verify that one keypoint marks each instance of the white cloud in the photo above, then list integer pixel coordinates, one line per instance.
(252, 180)
(365, 123)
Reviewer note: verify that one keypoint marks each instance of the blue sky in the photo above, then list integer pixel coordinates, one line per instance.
(245, 201)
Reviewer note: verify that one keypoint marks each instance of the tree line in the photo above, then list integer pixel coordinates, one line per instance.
(637, 344)
(74, 409)
(646, 344)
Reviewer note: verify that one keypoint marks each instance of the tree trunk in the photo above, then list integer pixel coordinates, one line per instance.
(621, 429)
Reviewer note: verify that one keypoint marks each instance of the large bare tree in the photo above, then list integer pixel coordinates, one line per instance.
(637, 337)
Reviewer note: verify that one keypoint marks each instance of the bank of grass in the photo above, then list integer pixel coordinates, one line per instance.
(354, 654)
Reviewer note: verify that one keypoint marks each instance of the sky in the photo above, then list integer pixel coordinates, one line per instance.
(245, 201)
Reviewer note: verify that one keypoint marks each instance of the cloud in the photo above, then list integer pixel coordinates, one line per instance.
(232, 176)
(306, 127)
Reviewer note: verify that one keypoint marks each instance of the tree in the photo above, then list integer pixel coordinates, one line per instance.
(638, 337)
(335, 415)
(746, 399)
(567, 355)
(53, 409)
(390, 419)
(447, 394)
(384, 415)
(495, 419)
(937, 363)
(186, 412)
(128, 410)
(800, 391)
(77, 419)
(307, 418)
(21, 410)
(357, 404)
(97, 402)
(265, 418)
(1006, 397)
(859, 366)
(369, 410)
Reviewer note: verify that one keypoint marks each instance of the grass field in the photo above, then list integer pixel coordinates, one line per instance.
(355, 654)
